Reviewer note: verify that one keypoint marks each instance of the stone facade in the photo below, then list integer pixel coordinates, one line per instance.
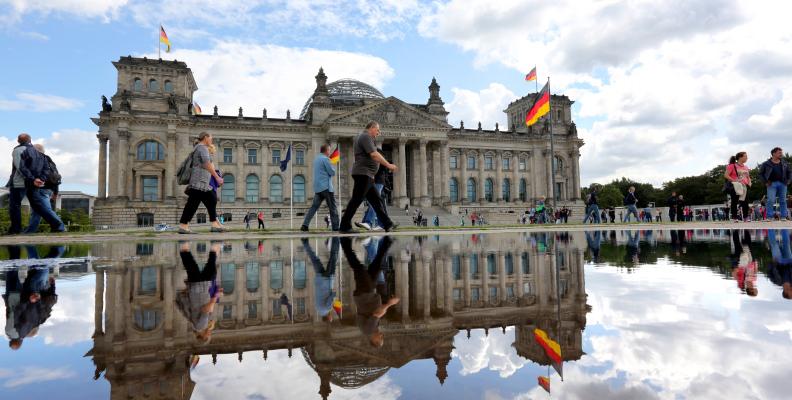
(151, 128)
(446, 286)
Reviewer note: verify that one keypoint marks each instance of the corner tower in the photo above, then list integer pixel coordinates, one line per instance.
(159, 86)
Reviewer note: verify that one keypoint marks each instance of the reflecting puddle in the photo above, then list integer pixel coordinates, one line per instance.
(628, 314)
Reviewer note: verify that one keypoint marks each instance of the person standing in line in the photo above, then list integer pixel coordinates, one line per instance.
(35, 168)
(630, 201)
(16, 185)
(740, 177)
(49, 190)
(260, 219)
(672, 207)
(776, 175)
(367, 160)
(199, 190)
(323, 173)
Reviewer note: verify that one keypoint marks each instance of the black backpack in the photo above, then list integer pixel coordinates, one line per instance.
(54, 177)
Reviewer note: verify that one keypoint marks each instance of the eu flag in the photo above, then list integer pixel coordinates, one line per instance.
(285, 162)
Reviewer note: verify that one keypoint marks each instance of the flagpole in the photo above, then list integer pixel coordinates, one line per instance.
(536, 81)
(291, 195)
(159, 44)
(558, 297)
(291, 292)
(552, 145)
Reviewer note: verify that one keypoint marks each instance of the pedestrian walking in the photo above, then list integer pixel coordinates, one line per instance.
(592, 208)
(260, 218)
(672, 206)
(246, 220)
(738, 180)
(197, 301)
(198, 189)
(370, 221)
(36, 171)
(323, 173)
(365, 166)
(49, 190)
(16, 185)
(630, 201)
(680, 208)
(776, 175)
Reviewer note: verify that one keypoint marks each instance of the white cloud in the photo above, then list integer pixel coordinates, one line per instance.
(36, 375)
(486, 106)
(654, 80)
(493, 352)
(39, 102)
(102, 9)
(254, 76)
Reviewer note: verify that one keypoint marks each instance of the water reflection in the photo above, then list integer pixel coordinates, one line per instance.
(396, 301)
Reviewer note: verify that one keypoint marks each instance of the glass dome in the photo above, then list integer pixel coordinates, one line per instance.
(347, 89)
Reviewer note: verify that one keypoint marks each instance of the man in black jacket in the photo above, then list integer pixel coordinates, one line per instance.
(672, 206)
(35, 170)
(49, 190)
(630, 201)
(776, 175)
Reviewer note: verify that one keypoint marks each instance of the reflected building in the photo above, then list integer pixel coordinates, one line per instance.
(447, 285)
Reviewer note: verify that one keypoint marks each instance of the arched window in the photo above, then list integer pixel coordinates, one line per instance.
(453, 187)
(299, 188)
(523, 190)
(276, 189)
(471, 190)
(151, 150)
(228, 189)
(137, 85)
(506, 189)
(168, 86)
(252, 189)
(153, 85)
(488, 189)
(558, 164)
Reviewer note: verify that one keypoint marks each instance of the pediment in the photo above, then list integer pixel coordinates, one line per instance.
(390, 112)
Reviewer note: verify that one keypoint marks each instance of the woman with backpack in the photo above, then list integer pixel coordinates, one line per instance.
(738, 180)
(198, 189)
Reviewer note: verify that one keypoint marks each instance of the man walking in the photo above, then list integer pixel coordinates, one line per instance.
(323, 173)
(49, 190)
(370, 221)
(630, 202)
(367, 161)
(16, 185)
(36, 170)
(672, 207)
(776, 175)
(592, 208)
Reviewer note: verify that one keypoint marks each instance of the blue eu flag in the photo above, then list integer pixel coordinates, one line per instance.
(285, 162)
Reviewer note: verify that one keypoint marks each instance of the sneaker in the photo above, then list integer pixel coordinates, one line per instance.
(377, 229)
(366, 241)
(363, 225)
(303, 228)
(392, 227)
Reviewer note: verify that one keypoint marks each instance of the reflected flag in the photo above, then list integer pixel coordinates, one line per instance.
(337, 306)
(544, 382)
(196, 109)
(531, 75)
(552, 348)
(541, 106)
(335, 156)
(164, 39)
(285, 163)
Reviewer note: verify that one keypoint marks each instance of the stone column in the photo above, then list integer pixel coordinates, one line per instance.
(240, 170)
(449, 282)
(502, 275)
(426, 259)
(265, 174)
(401, 174)
(480, 166)
(462, 187)
(403, 285)
(423, 168)
(102, 188)
(445, 169)
(514, 164)
(575, 157)
(168, 300)
(98, 302)
(437, 196)
(170, 166)
(518, 269)
(124, 173)
(498, 187)
(549, 161)
(466, 277)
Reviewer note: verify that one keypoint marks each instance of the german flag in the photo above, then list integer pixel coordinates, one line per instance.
(335, 156)
(531, 75)
(164, 39)
(337, 307)
(552, 348)
(544, 382)
(541, 106)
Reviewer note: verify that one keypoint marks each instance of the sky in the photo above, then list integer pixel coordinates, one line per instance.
(661, 89)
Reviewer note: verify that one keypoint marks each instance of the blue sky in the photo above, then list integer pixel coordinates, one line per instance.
(650, 83)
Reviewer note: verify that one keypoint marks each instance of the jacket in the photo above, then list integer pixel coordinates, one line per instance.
(33, 165)
(766, 168)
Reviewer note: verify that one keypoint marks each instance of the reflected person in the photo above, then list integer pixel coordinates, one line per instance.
(593, 239)
(632, 246)
(744, 266)
(198, 299)
(780, 270)
(324, 278)
(369, 294)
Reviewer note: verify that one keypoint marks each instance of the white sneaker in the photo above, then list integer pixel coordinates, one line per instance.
(377, 228)
(363, 225)
(366, 241)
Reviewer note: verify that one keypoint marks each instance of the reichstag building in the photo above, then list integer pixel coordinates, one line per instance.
(151, 126)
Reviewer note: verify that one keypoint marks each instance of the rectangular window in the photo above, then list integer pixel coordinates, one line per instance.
(299, 306)
(523, 164)
(510, 291)
(471, 162)
(144, 249)
(150, 188)
(227, 311)
(454, 164)
(457, 292)
(528, 288)
(228, 155)
(493, 293)
(474, 269)
(276, 308)
(563, 287)
(276, 156)
(488, 162)
(300, 276)
(506, 163)
(475, 294)
(299, 157)
(252, 156)
(148, 280)
(456, 267)
(526, 267)
(509, 264)
(252, 310)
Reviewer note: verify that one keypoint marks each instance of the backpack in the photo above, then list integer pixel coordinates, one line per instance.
(54, 177)
(588, 199)
(184, 173)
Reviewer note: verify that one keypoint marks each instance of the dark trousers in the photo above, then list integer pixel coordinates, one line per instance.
(195, 198)
(364, 190)
(735, 202)
(326, 196)
(366, 276)
(15, 197)
(261, 224)
(194, 274)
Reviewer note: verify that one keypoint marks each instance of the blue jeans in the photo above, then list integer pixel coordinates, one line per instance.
(596, 217)
(35, 218)
(781, 254)
(371, 217)
(631, 209)
(329, 197)
(15, 197)
(40, 204)
(776, 190)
